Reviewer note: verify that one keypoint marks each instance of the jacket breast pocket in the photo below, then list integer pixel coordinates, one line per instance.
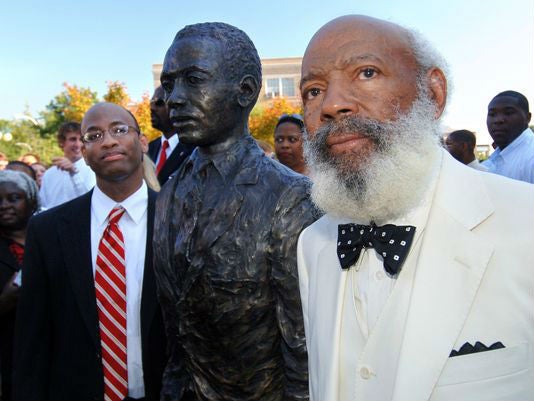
(497, 375)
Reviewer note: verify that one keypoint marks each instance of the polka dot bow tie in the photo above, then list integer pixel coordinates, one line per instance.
(390, 242)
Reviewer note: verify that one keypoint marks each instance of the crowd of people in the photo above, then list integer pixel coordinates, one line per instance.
(357, 260)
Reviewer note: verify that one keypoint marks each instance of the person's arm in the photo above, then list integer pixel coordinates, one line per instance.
(174, 375)
(83, 179)
(294, 213)
(32, 330)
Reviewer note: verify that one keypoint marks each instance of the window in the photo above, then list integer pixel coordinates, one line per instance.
(273, 87)
(288, 87)
(277, 87)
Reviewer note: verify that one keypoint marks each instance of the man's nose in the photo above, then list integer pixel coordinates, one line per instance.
(338, 102)
(177, 97)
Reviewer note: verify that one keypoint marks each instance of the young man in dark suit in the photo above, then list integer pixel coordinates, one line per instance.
(167, 152)
(89, 326)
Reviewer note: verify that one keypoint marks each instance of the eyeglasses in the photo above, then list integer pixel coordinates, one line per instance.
(97, 135)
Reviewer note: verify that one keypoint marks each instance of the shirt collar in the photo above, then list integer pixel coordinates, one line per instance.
(173, 140)
(514, 145)
(136, 204)
(228, 162)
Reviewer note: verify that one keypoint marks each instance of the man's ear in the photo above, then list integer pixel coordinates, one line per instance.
(249, 89)
(144, 142)
(437, 84)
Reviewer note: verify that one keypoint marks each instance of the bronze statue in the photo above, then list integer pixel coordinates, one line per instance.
(226, 233)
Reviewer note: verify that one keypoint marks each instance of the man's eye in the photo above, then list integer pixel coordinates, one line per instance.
(194, 80)
(93, 136)
(167, 86)
(120, 130)
(159, 103)
(311, 93)
(367, 73)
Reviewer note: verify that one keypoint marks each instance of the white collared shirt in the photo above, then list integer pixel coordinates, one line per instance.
(371, 285)
(133, 225)
(59, 186)
(516, 160)
(477, 165)
(173, 143)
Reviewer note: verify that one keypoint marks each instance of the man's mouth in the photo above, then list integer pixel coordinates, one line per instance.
(182, 120)
(112, 156)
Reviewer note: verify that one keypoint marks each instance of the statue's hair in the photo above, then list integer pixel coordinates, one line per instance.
(240, 54)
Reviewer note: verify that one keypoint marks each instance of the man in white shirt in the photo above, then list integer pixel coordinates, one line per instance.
(90, 326)
(167, 152)
(507, 120)
(417, 283)
(461, 145)
(70, 176)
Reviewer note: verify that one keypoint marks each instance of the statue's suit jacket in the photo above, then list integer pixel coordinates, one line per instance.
(173, 163)
(57, 346)
(474, 281)
(225, 251)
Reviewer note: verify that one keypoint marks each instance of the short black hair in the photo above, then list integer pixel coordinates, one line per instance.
(67, 127)
(239, 52)
(464, 136)
(291, 118)
(521, 99)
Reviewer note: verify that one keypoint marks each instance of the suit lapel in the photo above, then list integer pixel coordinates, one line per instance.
(451, 265)
(75, 241)
(174, 161)
(325, 304)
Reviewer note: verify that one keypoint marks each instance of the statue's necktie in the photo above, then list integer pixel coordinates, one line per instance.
(390, 242)
(110, 283)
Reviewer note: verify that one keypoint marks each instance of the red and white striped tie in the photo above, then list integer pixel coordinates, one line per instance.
(110, 284)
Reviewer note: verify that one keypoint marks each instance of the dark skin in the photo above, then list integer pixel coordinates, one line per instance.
(159, 113)
(461, 151)
(15, 212)
(357, 65)
(288, 146)
(506, 120)
(200, 97)
(116, 161)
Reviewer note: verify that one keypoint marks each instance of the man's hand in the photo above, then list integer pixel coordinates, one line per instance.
(64, 164)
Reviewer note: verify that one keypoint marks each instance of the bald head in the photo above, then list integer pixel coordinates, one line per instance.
(109, 108)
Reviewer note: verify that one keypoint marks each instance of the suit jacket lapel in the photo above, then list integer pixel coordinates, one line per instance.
(451, 265)
(75, 241)
(325, 304)
(174, 161)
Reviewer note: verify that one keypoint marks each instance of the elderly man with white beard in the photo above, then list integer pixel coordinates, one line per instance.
(418, 283)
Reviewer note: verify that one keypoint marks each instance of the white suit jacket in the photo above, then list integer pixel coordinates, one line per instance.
(474, 281)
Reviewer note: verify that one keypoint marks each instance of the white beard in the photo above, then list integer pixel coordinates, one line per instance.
(390, 181)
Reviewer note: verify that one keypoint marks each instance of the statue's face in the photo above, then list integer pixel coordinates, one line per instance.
(200, 95)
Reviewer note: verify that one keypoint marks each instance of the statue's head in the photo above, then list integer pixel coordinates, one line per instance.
(211, 77)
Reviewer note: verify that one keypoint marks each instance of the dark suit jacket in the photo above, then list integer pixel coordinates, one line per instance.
(8, 267)
(175, 160)
(57, 347)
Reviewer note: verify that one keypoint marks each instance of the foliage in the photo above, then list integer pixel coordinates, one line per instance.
(27, 138)
(70, 105)
(263, 118)
(117, 93)
(141, 111)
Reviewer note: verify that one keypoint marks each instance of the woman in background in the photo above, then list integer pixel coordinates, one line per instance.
(288, 137)
(18, 201)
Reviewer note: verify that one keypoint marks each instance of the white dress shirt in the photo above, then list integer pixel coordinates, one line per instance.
(59, 186)
(516, 160)
(133, 225)
(368, 289)
(173, 143)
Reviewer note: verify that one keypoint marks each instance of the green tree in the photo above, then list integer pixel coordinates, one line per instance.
(117, 93)
(69, 105)
(141, 111)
